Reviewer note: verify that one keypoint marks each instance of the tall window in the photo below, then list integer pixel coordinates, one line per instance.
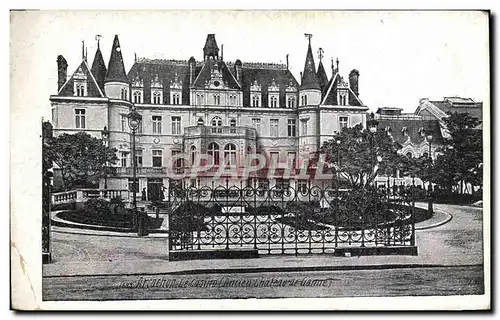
(138, 158)
(133, 186)
(124, 94)
(304, 128)
(232, 100)
(343, 98)
(256, 124)
(139, 128)
(217, 99)
(156, 97)
(156, 124)
(137, 97)
(274, 127)
(123, 122)
(213, 153)
(255, 101)
(176, 98)
(123, 158)
(80, 118)
(291, 159)
(177, 159)
(232, 125)
(193, 154)
(216, 125)
(273, 102)
(291, 102)
(304, 100)
(176, 125)
(275, 156)
(80, 89)
(199, 99)
(343, 122)
(230, 154)
(157, 158)
(292, 128)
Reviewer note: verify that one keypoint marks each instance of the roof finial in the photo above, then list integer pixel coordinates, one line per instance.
(135, 56)
(337, 64)
(320, 54)
(287, 60)
(308, 36)
(98, 38)
(86, 53)
(222, 52)
(83, 49)
(333, 69)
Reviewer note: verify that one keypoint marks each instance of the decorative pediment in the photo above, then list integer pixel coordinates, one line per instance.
(156, 83)
(255, 86)
(342, 84)
(176, 83)
(291, 87)
(80, 74)
(137, 82)
(274, 87)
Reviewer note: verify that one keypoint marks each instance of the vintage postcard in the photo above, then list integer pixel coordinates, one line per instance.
(222, 160)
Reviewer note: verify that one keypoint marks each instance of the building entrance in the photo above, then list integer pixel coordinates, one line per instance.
(155, 186)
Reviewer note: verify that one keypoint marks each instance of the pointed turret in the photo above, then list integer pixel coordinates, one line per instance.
(322, 77)
(99, 68)
(210, 50)
(116, 68)
(309, 79)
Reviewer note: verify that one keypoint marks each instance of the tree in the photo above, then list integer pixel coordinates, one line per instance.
(80, 158)
(461, 157)
(47, 162)
(358, 164)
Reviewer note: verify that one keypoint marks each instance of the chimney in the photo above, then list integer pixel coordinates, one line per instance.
(353, 81)
(192, 67)
(221, 52)
(238, 70)
(62, 71)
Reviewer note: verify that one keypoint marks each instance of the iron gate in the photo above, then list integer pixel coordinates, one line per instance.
(291, 220)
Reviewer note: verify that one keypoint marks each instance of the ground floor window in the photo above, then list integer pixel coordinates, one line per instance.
(132, 186)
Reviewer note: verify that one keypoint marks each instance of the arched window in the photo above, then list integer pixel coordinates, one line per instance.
(80, 89)
(216, 125)
(137, 97)
(213, 153)
(291, 102)
(232, 125)
(200, 122)
(230, 154)
(273, 102)
(216, 99)
(255, 101)
(193, 154)
(157, 97)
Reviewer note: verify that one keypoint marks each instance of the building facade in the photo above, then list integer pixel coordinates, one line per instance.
(202, 120)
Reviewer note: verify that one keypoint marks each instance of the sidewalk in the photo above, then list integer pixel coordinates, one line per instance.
(456, 243)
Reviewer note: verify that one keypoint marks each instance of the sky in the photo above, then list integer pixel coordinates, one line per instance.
(401, 56)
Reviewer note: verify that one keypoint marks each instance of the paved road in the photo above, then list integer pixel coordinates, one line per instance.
(395, 282)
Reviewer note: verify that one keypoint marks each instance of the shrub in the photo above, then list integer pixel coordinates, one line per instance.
(97, 207)
(117, 205)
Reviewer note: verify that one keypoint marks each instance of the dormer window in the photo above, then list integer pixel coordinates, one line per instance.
(156, 97)
(343, 98)
(80, 89)
(176, 98)
(255, 100)
(291, 102)
(273, 102)
(137, 97)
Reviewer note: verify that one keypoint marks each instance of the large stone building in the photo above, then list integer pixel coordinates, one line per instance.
(207, 107)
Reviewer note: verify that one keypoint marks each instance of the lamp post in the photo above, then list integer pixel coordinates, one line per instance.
(372, 125)
(429, 140)
(105, 139)
(134, 119)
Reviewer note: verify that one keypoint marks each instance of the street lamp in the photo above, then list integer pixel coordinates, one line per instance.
(372, 125)
(429, 140)
(134, 119)
(105, 139)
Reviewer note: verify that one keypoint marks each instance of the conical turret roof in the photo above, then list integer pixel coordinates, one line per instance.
(116, 68)
(99, 68)
(309, 79)
(322, 77)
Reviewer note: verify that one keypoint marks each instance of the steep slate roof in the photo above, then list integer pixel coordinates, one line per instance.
(309, 78)
(330, 96)
(264, 76)
(116, 68)
(99, 68)
(323, 78)
(211, 47)
(413, 126)
(451, 105)
(147, 69)
(93, 89)
(204, 75)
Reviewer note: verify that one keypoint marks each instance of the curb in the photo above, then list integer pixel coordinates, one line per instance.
(437, 224)
(272, 269)
(163, 235)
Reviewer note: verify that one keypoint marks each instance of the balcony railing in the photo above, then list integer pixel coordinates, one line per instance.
(240, 132)
(141, 170)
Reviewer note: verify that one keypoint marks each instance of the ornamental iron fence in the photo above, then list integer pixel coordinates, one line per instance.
(291, 219)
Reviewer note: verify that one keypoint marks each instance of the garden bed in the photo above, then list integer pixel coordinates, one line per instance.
(107, 220)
